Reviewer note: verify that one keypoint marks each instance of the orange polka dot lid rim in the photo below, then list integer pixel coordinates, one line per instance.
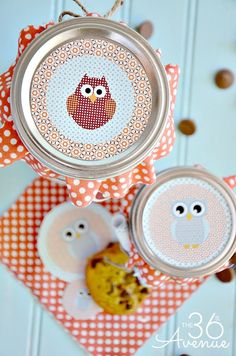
(184, 224)
(90, 98)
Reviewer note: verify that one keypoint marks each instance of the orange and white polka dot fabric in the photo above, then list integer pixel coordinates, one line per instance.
(106, 334)
(82, 192)
(231, 181)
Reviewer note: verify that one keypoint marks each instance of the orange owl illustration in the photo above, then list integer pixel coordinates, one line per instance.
(91, 105)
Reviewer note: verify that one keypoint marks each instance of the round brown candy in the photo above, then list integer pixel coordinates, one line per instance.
(187, 127)
(226, 276)
(145, 29)
(224, 78)
(233, 259)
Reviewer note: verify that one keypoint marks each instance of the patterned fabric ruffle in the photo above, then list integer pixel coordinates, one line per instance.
(82, 192)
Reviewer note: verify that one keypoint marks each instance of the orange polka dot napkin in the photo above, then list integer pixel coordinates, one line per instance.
(106, 334)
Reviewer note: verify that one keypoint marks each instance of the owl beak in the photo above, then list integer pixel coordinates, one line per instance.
(78, 236)
(189, 216)
(93, 98)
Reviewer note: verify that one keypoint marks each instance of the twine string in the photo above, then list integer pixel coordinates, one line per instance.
(81, 6)
(115, 6)
(69, 13)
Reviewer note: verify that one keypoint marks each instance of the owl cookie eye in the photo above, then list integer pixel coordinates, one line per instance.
(86, 90)
(68, 234)
(100, 91)
(81, 226)
(179, 209)
(197, 208)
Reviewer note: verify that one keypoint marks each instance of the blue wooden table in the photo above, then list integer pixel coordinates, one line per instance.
(199, 35)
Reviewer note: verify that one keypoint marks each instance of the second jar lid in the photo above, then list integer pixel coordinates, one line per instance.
(184, 224)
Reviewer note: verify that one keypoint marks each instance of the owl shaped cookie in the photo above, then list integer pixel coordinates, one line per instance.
(91, 106)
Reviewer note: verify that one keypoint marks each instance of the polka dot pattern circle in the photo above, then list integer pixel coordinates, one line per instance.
(82, 192)
(106, 334)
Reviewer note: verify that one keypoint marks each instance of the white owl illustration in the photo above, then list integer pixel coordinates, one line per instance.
(67, 237)
(190, 227)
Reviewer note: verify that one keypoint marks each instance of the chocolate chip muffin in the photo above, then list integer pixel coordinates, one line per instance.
(113, 288)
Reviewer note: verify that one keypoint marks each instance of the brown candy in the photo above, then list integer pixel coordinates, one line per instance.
(146, 29)
(187, 127)
(233, 259)
(226, 276)
(224, 78)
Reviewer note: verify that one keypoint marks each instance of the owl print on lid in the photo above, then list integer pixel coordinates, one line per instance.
(187, 221)
(190, 227)
(94, 105)
(91, 105)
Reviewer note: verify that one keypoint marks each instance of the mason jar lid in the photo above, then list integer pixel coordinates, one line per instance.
(184, 224)
(90, 98)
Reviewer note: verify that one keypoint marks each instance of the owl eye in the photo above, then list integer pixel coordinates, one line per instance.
(81, 226)
(180, 209)
(197, 208)
(100, 91)
(68, 234)
(86, 90)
